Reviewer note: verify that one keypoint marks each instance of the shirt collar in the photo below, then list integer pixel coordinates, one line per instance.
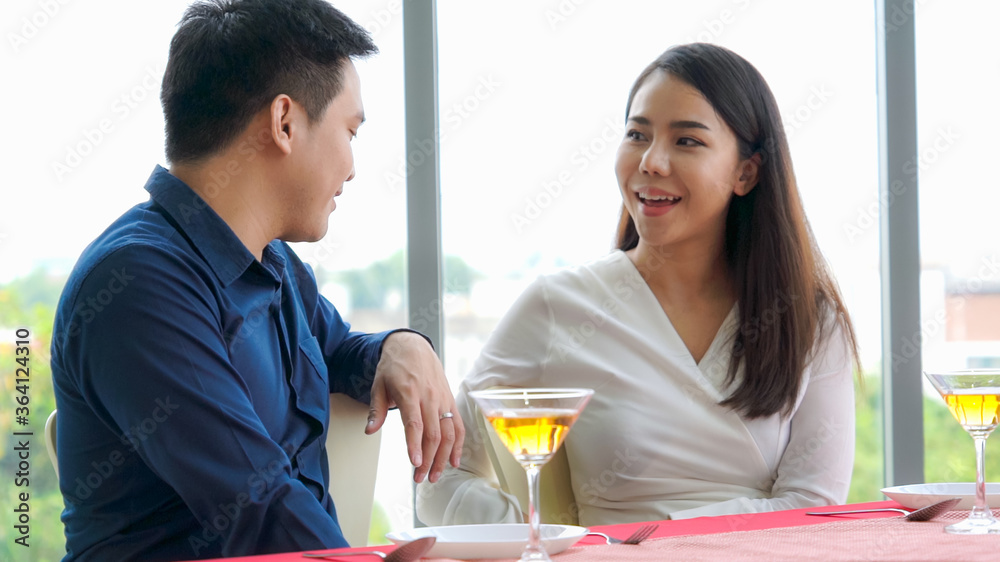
(213, 238)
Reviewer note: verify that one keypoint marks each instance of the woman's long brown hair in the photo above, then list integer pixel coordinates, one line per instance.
(784, 289)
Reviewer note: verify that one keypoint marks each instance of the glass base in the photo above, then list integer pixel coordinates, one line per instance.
(975, 526)
(535, 555)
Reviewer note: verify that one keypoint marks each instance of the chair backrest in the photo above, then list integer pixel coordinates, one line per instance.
(353, 466)
(50, 441)
(557, 503)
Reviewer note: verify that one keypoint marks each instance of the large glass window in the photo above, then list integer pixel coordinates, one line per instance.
(532, 98)
(957, 119)
(532, 112)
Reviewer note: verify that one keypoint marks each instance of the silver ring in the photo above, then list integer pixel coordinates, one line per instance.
(447, 415)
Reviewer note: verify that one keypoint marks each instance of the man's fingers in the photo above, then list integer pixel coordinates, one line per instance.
(379, 408)
(456, 451)
(444, 449)
(413, 425)
(431, 439)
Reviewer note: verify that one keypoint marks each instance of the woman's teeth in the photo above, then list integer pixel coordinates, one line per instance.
(667, 198)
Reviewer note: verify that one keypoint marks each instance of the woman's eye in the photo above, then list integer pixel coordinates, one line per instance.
(634, 135)
(688, 141)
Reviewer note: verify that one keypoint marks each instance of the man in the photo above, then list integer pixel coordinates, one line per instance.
(193, 356)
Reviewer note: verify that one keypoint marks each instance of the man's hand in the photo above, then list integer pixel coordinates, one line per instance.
(410, 376)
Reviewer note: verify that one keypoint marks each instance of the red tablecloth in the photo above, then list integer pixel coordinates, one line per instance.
(743, 522)
(696, 526)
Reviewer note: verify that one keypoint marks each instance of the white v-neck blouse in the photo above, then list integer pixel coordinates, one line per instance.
(653, 441)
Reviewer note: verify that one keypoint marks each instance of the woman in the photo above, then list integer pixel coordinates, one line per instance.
(716, 340)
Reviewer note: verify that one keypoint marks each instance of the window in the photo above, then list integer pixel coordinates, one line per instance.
(532, 97)
(957, 119)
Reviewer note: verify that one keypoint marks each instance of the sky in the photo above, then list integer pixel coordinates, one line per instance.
(531, 111)
(531, 108)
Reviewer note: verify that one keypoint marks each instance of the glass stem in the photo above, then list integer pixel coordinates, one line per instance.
(534, 549)
(981, 510)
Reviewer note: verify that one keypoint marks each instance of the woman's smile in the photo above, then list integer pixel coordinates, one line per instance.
(656, 202)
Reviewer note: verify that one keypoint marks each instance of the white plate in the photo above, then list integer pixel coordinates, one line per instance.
(915, 496)
(489, 541)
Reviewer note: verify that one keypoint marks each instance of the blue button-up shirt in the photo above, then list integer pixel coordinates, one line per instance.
(192, 383)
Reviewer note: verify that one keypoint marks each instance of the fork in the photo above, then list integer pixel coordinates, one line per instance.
(408, 552)
(925, 513)
(640, 534)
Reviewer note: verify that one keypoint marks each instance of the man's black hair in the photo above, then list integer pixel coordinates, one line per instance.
(230, 58)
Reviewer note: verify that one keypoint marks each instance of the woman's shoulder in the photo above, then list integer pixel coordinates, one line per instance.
(612, 268)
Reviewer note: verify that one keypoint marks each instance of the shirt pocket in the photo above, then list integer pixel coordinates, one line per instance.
(310, 381)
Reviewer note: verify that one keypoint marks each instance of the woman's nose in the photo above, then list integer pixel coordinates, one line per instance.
(656, 160)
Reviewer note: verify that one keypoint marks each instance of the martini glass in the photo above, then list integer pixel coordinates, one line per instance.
(973, 397)
(532, 423)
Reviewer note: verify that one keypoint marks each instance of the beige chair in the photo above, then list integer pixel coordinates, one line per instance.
(50, 441)
(557, 502)
(353, 464)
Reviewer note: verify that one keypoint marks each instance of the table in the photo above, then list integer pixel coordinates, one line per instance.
(780, 535)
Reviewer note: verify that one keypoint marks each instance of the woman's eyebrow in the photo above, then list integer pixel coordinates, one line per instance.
(679, 124)
(688, 125)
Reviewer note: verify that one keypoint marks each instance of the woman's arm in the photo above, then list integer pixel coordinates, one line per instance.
(514, 355)
(469, 494)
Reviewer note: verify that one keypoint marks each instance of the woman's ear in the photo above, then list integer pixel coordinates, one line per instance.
(749, 171)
